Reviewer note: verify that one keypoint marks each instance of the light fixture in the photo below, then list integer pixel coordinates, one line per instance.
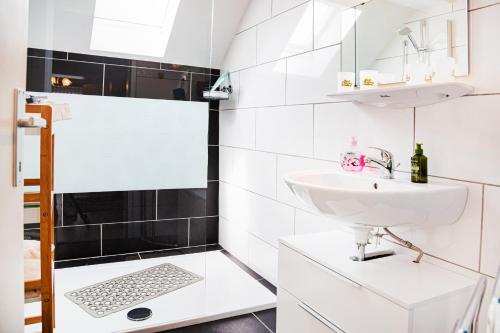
(133, 27)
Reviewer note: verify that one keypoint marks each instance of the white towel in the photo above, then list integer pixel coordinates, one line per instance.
(31, 249)
(60, 111)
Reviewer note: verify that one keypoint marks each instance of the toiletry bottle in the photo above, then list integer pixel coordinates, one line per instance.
(419, 166)
(353, 160)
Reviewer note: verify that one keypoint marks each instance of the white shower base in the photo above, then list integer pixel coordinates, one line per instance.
(226, 291)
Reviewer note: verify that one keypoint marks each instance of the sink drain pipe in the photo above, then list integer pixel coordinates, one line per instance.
(407, 244)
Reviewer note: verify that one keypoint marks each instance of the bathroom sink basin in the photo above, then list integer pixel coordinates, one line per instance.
(364, 201)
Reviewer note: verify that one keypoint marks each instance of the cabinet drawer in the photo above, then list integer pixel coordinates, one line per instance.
(296, 317)
(345, 303)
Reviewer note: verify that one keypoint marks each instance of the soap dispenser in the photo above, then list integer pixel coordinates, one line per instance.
(419, 166)
(353, 160)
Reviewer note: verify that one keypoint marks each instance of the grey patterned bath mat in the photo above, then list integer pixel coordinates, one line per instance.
(104, 298)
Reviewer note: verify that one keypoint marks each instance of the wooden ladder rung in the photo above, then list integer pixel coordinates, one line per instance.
(32, 197)
(32, 320)
(32, 182)
(33, 285)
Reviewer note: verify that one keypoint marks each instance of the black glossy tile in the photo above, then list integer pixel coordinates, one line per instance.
(130, 237)
(241, 324)
(212, 199)
(58, 210)
(181, 251)
(107, 207)
(271, 287)
(112, 60)
(177, 203)
(200, 83)
(32, 234)
(268, 317)
(146, 83)
(204, 230)
(78, 242)
(213, 163)
(85, 78)
(213, 128)
(244, 267)
(96, 261)
(28, 226)
(47, 53)
(192, 69)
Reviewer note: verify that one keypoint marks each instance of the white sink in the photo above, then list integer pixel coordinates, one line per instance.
(375, 202)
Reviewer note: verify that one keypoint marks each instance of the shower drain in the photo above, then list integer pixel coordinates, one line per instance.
(104, 298)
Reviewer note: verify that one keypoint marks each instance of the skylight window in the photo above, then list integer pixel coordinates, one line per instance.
(133, 27)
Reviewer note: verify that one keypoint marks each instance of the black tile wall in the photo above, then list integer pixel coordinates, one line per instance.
(78, 242)
(108, 207)
(144, 236)
(108, 226)
(86, 78)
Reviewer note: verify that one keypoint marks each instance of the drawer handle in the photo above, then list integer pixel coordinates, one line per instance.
(320, 318)
(331, 272)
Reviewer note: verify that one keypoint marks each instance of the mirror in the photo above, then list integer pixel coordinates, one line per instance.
(394, 35)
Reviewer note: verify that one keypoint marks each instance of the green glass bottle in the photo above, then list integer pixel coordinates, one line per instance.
(419, 166)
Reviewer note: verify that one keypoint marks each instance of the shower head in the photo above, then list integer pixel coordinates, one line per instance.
(406, 31)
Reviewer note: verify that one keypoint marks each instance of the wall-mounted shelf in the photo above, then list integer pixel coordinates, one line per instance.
(405, 96)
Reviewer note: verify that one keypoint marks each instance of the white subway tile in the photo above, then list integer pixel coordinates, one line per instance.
(289, 164)
(310, 223)
(286, 130)
(242, 51)
(474, 4)
(327, 23)
(263, 217)
(237, 128)
(232, 102)
(336, 123)
(256, 12)
(484, 54)
(263, 259)
(458, 243)
(263, 85)
(233, 239)
(280, 6)
(490, 260)
(313, 75)
(286, 34)
(461, 138)
(226, 164)
(255, 171)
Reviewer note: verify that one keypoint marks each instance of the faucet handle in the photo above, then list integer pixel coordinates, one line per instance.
(386, 155)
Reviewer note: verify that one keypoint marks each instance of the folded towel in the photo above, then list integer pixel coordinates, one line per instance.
(60, 111)
(31, 249)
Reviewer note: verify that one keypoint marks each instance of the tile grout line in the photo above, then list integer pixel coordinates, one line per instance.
(481, 229)
(103, 78)
(100, 231)
(262, 323)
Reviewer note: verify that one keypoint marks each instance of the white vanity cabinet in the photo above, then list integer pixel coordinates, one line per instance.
(321, 290)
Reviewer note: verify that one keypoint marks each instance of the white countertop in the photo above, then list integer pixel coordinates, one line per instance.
(396, 277)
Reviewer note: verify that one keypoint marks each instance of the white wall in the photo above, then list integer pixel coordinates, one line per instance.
(280, 121)
(13, 41)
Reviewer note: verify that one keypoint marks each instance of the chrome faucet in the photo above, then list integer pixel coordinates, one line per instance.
(386, 162)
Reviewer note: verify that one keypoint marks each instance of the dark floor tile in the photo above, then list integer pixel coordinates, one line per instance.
(178, 203)
(130, 237)
(58, 209)
(107, 207)
(213, 128)
(96, 261)
(271, 287)
(244, 267)
(241, 324)
(47, 75)
(177, 252)
(46, 53)
(112, 60)
(146, 83)
(213, 163)
(204, 230)
(268, 317)
(212, 199)
(78, 242)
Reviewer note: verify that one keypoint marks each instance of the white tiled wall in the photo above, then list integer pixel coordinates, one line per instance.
(280, 121)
